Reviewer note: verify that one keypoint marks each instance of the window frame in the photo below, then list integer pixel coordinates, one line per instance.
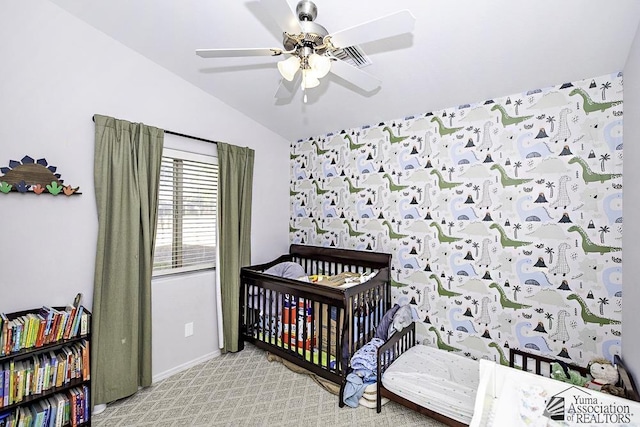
(173, 153)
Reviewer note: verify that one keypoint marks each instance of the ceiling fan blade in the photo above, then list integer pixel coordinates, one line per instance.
(227, 53)
(386, 26)
(287, 89)
(353, 75)
(283, 15)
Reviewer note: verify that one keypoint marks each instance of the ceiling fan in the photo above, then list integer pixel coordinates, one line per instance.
(311, 48)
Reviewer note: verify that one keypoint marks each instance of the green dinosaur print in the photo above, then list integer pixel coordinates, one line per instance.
(443, 238)
(392, 234)
(589, 105)
(392, 138)
(352, 145)
(506, 302)
(319, 230)
(319, 151)
(393, 187)
(506, 241)
(441, 344)
(352, 232)
(441, 290)
(588, 175)
(319, 191)
(397, 284)
(588, 245)
(353, 189)
(442, 129)
(442, 184)
(588, 316)
(503, 359)
(506, 118)
(506, 180)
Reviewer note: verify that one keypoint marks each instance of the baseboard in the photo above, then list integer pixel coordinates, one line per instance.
(166, 374)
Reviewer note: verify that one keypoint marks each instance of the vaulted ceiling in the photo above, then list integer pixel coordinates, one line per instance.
(461, 51)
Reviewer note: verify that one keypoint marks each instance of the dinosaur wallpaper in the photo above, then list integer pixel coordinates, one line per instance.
(504, 217)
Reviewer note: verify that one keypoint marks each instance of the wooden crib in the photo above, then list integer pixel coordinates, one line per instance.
(317, 327)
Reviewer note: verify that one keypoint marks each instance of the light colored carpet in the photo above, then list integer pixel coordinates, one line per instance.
(245, 389)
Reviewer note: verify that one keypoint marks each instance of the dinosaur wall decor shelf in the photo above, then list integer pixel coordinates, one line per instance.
(33, 176)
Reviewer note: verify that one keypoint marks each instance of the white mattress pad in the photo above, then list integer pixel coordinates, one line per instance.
(439, 380)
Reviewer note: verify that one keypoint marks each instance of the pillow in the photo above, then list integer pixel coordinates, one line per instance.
(288, 270)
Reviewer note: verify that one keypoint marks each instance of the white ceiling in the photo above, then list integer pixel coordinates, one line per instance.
(461, 51)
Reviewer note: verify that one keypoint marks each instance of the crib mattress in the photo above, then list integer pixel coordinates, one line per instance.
(435, 379)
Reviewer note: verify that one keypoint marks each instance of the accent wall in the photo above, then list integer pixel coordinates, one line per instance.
(504, 217)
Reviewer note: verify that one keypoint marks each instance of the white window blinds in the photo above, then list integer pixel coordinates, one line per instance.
(186, 228)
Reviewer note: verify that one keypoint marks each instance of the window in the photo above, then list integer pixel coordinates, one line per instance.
(186, 228)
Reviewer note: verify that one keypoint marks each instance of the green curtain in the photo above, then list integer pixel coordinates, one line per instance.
(235, 181)
(126, 177)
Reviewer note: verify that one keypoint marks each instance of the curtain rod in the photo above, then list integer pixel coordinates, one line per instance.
(180, 134)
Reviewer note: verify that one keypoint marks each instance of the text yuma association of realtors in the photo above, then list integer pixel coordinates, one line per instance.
(589, 410)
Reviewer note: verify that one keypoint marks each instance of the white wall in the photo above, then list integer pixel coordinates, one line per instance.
(56, 73)
(631, 207)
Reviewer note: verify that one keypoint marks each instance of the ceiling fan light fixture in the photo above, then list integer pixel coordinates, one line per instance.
(309, 80)
(320, 65)
(289, 67)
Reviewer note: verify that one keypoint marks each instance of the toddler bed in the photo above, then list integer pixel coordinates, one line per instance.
(436, 383)
(457, 390)
(317, 326)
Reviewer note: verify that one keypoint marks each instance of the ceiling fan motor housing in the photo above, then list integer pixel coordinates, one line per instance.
(312, 34)
(306, 10)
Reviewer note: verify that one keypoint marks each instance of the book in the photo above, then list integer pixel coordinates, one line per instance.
(46, 374)
(76, 322)
(19, 381)
(54, 368)
(38, 411)
(7, 378)
(46, 313)
(60, 415)
(42, 325)
(69, 324)
(53, 412)
(84, 324)
(17, 333)
(8, 338)
(55, 327)
(47, 412)
(5, 333)
(87, 401)
(86, 371)
(31, 322)
(63, 322)
(1, 387)
(28, 374)
(12, 382)
(68, 363)
(60, 380)
(72, 406)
